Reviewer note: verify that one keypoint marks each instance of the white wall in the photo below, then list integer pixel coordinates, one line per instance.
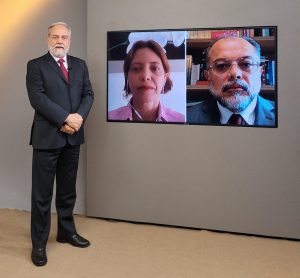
(233, 179)
(23, 30)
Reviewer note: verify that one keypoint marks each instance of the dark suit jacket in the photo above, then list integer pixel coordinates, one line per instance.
(207, 113)
(53, 99)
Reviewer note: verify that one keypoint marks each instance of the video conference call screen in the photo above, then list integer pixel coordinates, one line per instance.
(221, 77)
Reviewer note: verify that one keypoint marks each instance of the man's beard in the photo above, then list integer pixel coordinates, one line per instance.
(58, 52)
(239, 100)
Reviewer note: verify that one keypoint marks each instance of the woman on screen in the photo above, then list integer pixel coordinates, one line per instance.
(146, 71)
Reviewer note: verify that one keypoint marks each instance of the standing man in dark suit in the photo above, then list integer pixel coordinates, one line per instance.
(60, 92)
(234, 75)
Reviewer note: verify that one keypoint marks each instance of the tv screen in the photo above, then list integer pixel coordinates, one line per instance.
(217, 76)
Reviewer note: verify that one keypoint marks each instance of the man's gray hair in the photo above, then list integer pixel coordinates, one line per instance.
(59, 23)
(248, 39)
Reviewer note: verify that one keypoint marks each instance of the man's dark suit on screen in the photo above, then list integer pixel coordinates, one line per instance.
(207, 113)
(55, 154)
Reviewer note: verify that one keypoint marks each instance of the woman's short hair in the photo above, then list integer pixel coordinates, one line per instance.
(157, 49)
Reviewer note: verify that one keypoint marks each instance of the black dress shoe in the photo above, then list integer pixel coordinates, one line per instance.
(38, 256)
(75, 240)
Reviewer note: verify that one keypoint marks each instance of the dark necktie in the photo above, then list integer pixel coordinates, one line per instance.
(63, 69)
(235, 119)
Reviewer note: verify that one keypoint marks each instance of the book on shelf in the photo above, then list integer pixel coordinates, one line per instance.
(215, 34)
(272, 73)
(202, 68)
(247, 32)
(264, 32)
(199, 34)
(189, 59)
(268, 74)
(222, 33)
(195, 74)
(195, 67)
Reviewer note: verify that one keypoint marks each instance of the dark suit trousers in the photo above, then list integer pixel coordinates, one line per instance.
(47, 165)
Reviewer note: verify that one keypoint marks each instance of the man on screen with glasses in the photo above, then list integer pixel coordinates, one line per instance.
(234, 75)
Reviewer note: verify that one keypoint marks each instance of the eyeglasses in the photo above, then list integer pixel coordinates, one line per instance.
(222, 66)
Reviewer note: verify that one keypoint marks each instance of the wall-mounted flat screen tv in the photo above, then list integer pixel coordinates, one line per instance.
(218, 76)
